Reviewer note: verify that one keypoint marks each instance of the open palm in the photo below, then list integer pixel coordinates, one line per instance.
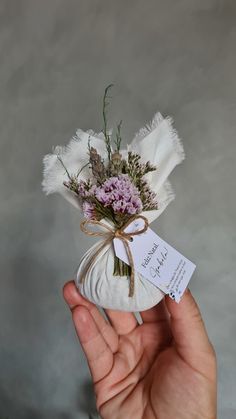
(162, 368)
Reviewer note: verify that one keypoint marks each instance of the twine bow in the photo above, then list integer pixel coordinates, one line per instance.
(109, 235)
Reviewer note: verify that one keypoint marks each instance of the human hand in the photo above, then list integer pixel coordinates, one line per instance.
(164, 368)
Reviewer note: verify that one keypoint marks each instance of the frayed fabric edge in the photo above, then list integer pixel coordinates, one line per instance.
(153, 124)
(177, 142)
(149, 127)
(49, 160)
(170, 194)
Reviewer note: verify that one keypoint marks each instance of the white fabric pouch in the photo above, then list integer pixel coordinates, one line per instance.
(157, 142)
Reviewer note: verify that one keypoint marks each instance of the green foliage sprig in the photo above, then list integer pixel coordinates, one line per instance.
(135, 169)
(107, 136)
(118, 136)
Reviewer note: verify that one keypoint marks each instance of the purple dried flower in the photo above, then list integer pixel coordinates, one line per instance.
(89, 210)
(119, 193)
(81, 189)
(85, 189)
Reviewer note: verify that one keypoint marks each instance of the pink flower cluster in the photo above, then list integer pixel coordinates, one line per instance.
(89, 210)
(117, 192)
(121, 194)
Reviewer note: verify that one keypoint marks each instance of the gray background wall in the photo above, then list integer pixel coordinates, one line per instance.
(56, 59)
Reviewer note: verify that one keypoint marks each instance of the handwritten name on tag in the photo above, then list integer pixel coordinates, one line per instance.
(157, 261)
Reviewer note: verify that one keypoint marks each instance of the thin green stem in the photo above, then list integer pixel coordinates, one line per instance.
(107, 136)
(118, 136)
(60, 160)
(82, 168)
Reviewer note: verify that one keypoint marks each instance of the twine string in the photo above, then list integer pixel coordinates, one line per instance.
(109, 235)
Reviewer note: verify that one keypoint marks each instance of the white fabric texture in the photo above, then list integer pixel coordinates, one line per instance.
(157, 142)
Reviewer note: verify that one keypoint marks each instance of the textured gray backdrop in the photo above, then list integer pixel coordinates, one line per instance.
(56, 59)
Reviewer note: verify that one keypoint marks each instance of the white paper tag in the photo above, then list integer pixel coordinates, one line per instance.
(156, 260)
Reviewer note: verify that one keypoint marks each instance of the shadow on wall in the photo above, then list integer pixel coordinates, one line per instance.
(87, 407)
(26, 412)
(33, 331)
(87, 402)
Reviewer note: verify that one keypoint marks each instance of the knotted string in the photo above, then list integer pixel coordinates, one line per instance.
(109, 235)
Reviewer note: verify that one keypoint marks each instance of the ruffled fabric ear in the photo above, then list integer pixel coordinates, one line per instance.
(75, 157)
(159, 143)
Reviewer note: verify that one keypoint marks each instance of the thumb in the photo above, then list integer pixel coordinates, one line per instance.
(189, 333)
